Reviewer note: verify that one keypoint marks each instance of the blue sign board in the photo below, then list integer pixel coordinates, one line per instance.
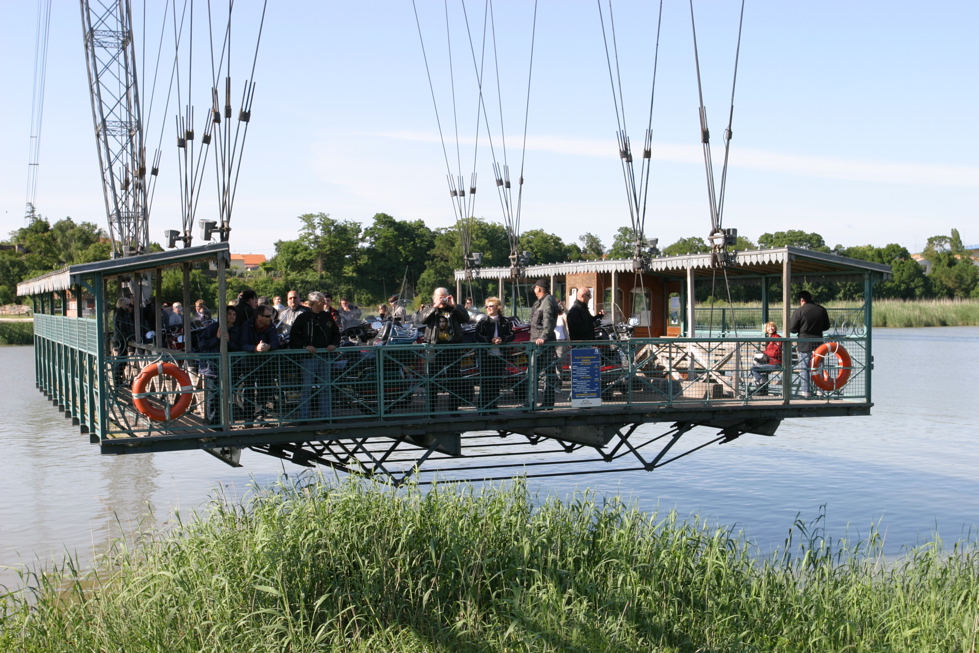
(586, 377)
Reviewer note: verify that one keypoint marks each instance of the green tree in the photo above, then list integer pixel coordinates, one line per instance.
(938, 249)
(908, 280)
(957, 280)
(444, 257)
(623, 243)
(100, 251)
(392, 248)
(591, 247)
(744, 243)
(543, 247)
(952, 271)
(793, 238)
(292, 256)
(72, 240)
(333, 244)
(955, 242)
(201, 286)
(488, 238)
(691, 245)
(12, 271)
(40, 251)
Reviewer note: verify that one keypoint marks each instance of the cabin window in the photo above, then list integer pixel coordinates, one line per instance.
(674, 309)
(608, 302)
(641, 306)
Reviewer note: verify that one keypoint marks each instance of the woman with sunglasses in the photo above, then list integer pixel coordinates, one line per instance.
(494, 330)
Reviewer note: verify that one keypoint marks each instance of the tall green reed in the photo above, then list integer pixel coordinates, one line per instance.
(356, 566)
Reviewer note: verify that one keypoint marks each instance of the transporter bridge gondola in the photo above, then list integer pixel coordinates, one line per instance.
(404, 410)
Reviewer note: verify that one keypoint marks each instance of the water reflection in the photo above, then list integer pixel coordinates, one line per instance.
(59, 495)
(910, 466)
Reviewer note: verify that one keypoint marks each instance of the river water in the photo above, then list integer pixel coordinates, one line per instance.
(910, 467)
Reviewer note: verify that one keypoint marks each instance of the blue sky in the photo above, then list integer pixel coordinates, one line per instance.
(856, 120)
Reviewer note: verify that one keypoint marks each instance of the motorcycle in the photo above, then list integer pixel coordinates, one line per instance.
(614, 359)
(355, 382)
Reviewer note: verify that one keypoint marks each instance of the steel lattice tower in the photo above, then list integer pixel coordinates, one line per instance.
(117, 115)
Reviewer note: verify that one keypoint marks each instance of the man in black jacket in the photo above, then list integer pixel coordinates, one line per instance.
(810, 320)
(443, 322)
(313, 330)
(581, 323)
(209, 342)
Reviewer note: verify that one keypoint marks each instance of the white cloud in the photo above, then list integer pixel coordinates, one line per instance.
(807, 166)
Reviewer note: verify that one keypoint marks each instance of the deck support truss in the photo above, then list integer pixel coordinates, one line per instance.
(499, 455)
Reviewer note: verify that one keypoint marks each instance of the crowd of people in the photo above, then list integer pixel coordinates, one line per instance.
(313, 324)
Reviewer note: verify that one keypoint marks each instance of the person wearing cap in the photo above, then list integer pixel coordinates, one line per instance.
(543, 318)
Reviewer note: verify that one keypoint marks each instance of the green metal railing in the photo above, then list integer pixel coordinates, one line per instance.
(727, 321)
(365, 384)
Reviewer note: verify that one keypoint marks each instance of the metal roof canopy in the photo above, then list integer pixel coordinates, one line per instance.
(68, 277)
(747, 264)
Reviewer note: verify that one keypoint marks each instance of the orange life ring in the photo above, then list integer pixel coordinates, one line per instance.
(140, 396)
(820, 377)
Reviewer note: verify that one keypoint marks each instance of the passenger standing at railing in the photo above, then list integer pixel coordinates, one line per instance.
(258, 336)
(767, 361)
(810, 320)
(443, 322)
(209, 342)
(314, 330)
(125, 331)
(543, 318)
(495, 330)
(581, 323)
(289, 314)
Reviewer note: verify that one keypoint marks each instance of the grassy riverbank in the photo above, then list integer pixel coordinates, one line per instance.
(926, 313)
(356, 568)
(17, 332)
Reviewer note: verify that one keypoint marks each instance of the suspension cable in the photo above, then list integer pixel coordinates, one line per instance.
(511, 214)
(526, 122)
(716, 201)
(637, 191)
(730, 119)
(42, 32)
(718, 237)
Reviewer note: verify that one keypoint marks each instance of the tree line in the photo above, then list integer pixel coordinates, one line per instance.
(370, 262)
